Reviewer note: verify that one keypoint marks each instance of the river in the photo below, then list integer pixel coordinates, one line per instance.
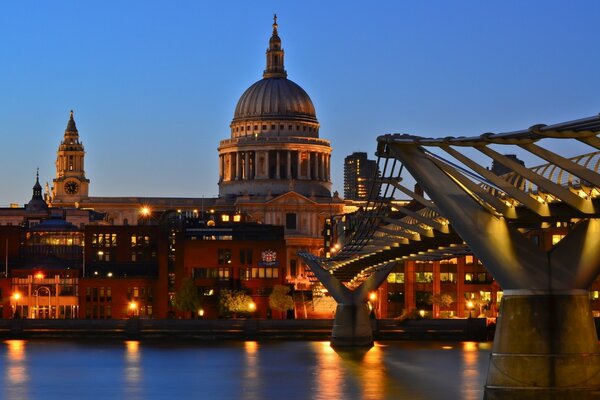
(277, 370)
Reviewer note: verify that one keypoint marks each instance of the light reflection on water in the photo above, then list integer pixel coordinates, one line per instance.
(133, 370)
(15, 370)
(241, 370)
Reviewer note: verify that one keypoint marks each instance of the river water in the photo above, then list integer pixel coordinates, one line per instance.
(277, 370)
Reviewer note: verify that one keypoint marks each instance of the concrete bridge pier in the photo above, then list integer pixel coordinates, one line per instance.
(352, 326)
(352, 323)
(545, 347)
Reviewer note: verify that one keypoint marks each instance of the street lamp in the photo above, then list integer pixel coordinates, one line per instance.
(251, 306)
(133, 308)
(372, 304)
(470, 306)
(16, 296)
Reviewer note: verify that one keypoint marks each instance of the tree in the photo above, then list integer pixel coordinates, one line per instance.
(441, 299)
(234, 301)
(187, 298)
(280, 300)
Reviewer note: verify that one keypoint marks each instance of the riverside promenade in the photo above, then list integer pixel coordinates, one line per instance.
(237, 329)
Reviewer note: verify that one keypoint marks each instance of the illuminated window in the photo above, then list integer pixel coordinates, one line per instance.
(448, 277)
(424, 277)
(468, 260)
(594, 295)
(468, 277)
(225, 218)
(557, 238)
(237, 218)
(396, 277)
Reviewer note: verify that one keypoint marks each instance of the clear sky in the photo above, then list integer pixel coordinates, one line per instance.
(154, 83)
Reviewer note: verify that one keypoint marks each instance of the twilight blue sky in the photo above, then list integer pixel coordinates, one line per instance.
(154, 83)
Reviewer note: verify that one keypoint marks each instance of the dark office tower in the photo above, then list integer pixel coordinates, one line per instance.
(360, 174)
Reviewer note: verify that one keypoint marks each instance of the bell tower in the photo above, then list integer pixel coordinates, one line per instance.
(70, 184)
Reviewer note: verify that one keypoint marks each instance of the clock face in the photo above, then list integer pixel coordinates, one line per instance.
(71, 187)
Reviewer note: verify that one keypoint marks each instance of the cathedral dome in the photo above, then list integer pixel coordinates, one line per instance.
(275, 98)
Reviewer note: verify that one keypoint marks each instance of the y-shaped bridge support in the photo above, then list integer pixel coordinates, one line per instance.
(546, 345)
(352, 324)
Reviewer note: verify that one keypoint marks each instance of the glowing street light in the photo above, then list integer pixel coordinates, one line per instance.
(133, 307)
(251, 306)
(16, 297)
(372, 296)
(470, 306)
(145, 211)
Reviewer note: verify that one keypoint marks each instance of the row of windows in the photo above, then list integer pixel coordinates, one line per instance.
(110, 240)
(98, 294)
(273, 127)
(224, 256)
(211, 273)
(449, 277)
(259, 273)
(245, 273)
(104, 240)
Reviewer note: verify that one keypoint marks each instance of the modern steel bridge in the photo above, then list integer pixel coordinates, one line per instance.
(546, 344)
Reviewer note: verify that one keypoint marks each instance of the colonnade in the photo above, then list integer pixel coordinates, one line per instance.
(274, 164)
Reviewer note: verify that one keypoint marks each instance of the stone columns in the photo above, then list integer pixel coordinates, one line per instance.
(308, 165)
(289, 164)
(267, 174)
(246, 165)
(299, 165)
(220, 168)
(322, 162)
(237, 166)
(278, 166)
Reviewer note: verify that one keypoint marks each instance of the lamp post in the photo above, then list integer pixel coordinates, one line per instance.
(373, 303)
(252, 307)
(470, 306)
(16, 296)
(133, 308)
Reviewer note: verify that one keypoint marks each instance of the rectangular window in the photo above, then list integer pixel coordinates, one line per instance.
(424, 277)
(223, 274)
(290, 221)
(396, 277)
(448, 277)
(224, 256)
(556, 239)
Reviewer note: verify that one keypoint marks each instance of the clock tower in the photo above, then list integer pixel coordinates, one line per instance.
(70, 184)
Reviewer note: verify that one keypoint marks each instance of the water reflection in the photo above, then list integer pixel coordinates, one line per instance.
(16, 376)
(250, 370)
(329, 376)
(133, 370)
(470, 374)
(251, 380)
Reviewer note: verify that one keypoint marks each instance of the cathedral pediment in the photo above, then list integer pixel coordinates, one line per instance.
(294, 198)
